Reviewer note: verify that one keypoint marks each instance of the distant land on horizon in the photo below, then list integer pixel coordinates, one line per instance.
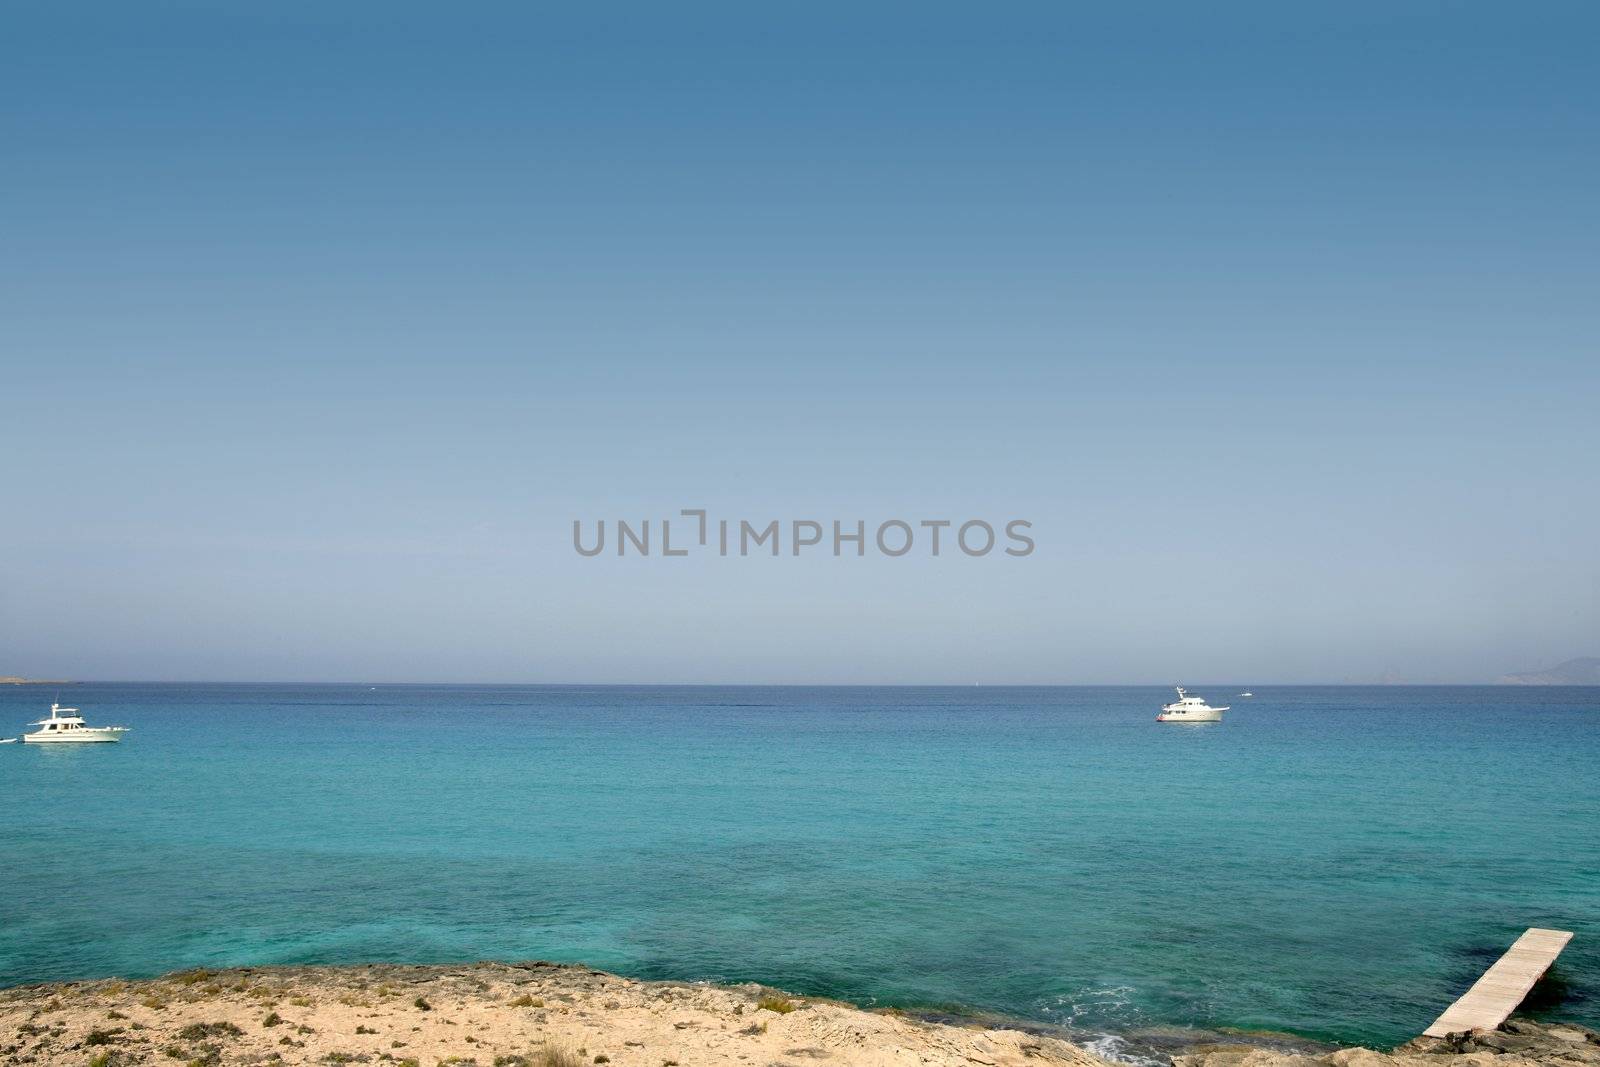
(1585, 670)
(11, 679)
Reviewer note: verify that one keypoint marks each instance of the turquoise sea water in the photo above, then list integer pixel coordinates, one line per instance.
(1337, 862)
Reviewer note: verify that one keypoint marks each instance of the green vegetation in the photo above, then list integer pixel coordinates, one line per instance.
(272, 1019)
(781, 1005)
(422, 1005)
(201, 1031)
(210, 1056)
(188, 978)
(102, 1037)
(556, 1056)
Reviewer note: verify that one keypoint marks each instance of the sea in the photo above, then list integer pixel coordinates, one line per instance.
(1337, 863)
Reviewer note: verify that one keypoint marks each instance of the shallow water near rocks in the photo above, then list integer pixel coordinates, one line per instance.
(1333, 862)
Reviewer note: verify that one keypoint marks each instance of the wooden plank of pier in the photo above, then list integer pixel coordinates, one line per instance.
(1502, 987)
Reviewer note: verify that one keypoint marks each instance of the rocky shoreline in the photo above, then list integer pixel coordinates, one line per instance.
(549, 1015)
(478, 1015)
(1517, 1043)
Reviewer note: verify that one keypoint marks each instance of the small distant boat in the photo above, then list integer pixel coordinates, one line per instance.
(1189, 709)
(66, 726)
(1247, 693)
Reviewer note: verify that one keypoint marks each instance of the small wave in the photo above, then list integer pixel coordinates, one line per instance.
(1114, 1000)
(1114, 1048)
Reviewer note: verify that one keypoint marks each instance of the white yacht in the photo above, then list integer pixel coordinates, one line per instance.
(1189, 709)
(65, 725)
(1247, 693)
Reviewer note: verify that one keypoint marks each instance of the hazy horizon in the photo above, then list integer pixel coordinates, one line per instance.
(1191, 684)
(324, 325)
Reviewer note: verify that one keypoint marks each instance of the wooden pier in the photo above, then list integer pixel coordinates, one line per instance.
(1502, 987)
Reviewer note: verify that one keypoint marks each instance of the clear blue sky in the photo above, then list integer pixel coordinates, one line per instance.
(322, 322)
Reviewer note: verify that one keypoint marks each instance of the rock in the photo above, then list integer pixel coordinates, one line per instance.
(1519, 1043)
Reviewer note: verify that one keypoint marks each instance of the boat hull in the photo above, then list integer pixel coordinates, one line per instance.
(88, 736)
(1214, 715)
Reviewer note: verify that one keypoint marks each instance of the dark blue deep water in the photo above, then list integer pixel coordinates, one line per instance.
(1337, 862)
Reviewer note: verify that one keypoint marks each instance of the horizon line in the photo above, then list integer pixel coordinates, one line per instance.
(796, 685)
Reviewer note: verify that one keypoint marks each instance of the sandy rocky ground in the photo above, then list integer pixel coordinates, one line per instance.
(530, 1015)
(545, 1015)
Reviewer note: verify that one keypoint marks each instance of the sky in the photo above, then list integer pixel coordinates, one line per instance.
(320, 324)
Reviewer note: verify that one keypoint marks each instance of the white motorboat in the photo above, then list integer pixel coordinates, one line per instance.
(66, 726)
(1247, 693)
(1189, 709)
